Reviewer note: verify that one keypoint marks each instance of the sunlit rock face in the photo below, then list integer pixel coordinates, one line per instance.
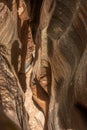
(43, 61)
(13, 115)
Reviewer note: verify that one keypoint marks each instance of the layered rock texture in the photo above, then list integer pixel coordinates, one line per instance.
(43, 64)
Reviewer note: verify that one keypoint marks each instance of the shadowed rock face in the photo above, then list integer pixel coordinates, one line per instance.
(61, 43)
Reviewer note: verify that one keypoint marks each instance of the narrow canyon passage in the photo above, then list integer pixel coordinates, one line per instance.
(43, 65)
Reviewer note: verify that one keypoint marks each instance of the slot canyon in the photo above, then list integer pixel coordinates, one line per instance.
(43, 60)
